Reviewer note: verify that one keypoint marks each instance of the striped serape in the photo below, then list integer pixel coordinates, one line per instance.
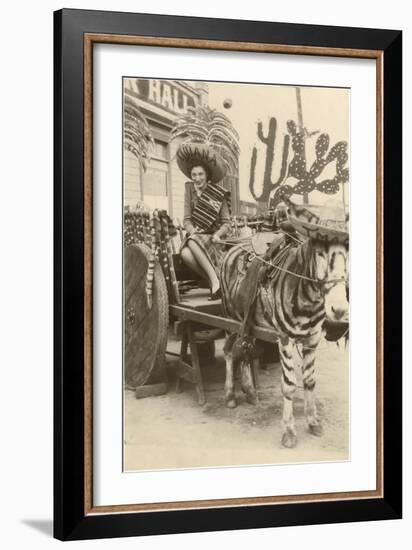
(208, 206)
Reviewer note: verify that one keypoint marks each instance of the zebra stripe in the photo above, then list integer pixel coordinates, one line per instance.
(294, 307)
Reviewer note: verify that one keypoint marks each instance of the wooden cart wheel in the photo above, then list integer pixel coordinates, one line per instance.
(145, 328)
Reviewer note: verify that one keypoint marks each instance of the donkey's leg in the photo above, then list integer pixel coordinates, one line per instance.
(288, 385)
(229, 382)
(309, 383)
(248, 384)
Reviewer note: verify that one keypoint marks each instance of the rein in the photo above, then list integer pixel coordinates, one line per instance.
(322, 282)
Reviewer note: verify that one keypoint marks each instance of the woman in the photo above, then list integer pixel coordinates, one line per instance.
(206, 212)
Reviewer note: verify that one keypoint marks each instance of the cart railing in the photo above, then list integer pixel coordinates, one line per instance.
(164, 236)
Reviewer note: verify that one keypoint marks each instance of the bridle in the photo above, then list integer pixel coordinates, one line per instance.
(325, 284)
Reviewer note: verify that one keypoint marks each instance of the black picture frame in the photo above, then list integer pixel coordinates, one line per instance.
(71, 519)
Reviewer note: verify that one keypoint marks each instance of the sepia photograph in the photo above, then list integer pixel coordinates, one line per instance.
(227, 274)
(236, 201)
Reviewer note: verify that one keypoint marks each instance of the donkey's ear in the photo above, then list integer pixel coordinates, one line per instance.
(301, 213)
(299, 225)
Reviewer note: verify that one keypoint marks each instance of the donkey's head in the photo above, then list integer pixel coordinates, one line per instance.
(328, 243)
(330, 270)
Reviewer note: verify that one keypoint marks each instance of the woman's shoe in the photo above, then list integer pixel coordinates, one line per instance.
(215, 295)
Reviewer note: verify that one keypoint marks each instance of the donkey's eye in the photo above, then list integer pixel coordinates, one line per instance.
(321, 254)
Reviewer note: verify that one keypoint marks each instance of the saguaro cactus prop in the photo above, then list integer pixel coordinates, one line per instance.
(307, 180)
(269, 140)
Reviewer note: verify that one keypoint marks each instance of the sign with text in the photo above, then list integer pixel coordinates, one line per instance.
(166, 94)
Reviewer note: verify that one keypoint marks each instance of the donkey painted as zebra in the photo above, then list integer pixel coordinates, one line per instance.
(298, 287)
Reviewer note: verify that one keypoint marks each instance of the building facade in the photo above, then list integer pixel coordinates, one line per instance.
(162, 184)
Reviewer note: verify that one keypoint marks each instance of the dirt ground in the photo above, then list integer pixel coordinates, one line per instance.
(172, 431)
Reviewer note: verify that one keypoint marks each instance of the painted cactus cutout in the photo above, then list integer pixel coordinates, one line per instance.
(307, 179)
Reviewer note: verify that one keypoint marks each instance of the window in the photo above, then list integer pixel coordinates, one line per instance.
(160, 150)
(155, 179)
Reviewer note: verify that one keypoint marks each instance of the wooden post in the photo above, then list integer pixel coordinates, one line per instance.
(344, 199)
(301, 129)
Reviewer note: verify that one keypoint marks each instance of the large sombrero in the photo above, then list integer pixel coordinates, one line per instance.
(329, 226)
(198, 154)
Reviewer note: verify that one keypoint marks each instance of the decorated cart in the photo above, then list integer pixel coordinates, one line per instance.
(160, 292)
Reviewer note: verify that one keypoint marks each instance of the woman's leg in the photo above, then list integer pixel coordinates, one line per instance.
(205, 264)
(190, 261)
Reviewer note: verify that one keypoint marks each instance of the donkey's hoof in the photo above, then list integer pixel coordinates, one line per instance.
(231, 403)
(252, 398)
(289, 439)
(316, 429)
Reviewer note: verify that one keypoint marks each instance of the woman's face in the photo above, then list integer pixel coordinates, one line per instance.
(199, 177)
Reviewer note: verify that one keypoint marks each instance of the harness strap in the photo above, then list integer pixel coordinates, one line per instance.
(242, 344)
(331, 282)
